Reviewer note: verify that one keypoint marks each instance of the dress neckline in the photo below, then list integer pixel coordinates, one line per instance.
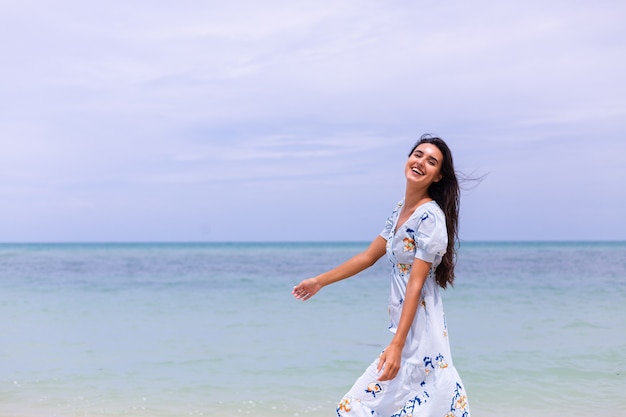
(401, 205)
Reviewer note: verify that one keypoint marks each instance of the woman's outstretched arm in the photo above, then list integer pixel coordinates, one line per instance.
(309, 287)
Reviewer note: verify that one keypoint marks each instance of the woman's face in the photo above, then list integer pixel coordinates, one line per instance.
(424, 164)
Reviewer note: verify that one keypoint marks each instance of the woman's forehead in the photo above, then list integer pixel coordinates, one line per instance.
(429, 148)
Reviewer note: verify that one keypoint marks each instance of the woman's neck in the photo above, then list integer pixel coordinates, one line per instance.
(414, 198)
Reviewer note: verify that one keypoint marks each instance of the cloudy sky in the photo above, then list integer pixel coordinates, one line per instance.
(291, 120)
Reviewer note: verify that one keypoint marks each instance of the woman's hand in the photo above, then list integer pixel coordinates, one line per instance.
(389, 362)
(306, 289)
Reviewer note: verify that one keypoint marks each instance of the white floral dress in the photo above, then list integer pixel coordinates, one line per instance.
(427, 383)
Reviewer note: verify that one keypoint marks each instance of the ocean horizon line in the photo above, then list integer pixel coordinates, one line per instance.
(296, 242)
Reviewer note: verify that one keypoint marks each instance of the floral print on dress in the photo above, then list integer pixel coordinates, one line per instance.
(344, 406)
(439, 363)
(459, 403)
(409, 407)
(409, 245)
(374, 389)
(404, 268)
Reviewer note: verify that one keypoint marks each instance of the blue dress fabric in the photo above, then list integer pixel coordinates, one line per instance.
(427, 383)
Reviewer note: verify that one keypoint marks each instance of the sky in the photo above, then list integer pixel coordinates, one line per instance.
(244, 120)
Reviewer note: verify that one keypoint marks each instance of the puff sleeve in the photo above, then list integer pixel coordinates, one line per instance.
(431, 237)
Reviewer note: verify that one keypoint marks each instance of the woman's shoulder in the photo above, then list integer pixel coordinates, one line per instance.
(430, 208)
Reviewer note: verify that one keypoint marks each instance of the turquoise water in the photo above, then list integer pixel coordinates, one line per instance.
(211, 329)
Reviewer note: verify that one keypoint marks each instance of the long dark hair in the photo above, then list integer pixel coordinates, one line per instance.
(446, 193)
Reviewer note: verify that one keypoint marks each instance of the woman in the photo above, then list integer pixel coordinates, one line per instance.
(414, 375)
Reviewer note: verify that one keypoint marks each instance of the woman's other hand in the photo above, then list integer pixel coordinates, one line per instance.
(389, 362)
(306, 289)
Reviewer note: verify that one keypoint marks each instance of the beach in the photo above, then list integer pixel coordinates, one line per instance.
(211, 329)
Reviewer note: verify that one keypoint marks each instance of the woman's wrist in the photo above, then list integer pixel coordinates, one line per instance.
(398, 342)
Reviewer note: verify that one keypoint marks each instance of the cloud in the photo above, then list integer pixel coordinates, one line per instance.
(146, 104)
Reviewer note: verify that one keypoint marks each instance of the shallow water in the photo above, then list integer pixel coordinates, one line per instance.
(212, 329)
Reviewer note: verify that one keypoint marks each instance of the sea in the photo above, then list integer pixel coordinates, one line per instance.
(211, 329)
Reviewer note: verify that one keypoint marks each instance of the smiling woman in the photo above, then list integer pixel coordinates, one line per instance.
(414, 375)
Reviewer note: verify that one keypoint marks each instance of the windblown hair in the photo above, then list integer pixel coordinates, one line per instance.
(446, 193)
